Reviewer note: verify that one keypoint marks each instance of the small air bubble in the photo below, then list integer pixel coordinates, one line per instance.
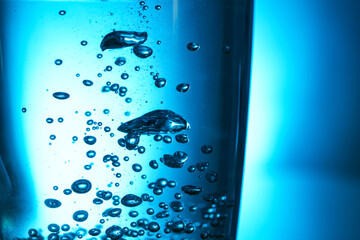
(193, 46)
(58, 62)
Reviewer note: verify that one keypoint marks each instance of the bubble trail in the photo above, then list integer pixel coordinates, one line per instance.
(158, 121)
(121, 39)
(61, 95)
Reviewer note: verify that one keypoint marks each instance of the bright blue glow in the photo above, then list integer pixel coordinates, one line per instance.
(301, 170)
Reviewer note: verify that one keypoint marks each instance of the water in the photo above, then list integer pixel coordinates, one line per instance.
(120, 119)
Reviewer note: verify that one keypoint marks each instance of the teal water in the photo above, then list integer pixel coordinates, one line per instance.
(122, 119)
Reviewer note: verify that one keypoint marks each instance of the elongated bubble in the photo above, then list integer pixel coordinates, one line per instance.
(191, 190)
(121, 39)
(142, 51)
(114, 232)
(52, 203)
(158, 121)
(91, 140)
(131, 200)
(61, 95)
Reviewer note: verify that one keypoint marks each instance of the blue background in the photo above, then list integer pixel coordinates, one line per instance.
(302, 167)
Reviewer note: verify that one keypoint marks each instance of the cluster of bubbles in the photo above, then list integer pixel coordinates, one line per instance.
(160, 124)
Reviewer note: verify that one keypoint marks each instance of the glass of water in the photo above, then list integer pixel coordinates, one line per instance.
(123, 119)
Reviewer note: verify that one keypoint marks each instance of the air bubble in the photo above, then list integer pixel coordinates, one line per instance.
(58, 62)
(131, 200)
(61, 95)
(142, 51)
(52, 203)
(49, 120)
(157, 7)
(114, 232)
(84, 43)
(124, 76)
(160, 83)
(158, 121)
(81, 186)
(167, 139)
(121, 39)
(88, 83)
(91, 154)
(120, 61)
(62, 12)
(191, 190)
(136, 167)
(153, 164)
(206, 149)
(183, 87)
(193, 46)
(211, 176)
(80, 215)
(182, 138)
(90, 140)
(177, 160)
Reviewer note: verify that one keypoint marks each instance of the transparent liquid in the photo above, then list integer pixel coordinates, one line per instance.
(64, 101)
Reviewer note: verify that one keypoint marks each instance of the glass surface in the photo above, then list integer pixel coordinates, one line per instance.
(123, 119)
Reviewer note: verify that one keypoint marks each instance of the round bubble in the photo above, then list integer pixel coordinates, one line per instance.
(136, 167)
(206, 149)
(154, 226)
(193, 46)
(183, 87)
(62, 12)
(124, 76)
(58, 62)
(83, 43)
(65, 227)
(33, 232)
(90, 140)
(49, 120)
(81, 186)
(90, 153)
(161, 82)
(23, 110)
(114, 232)
(80, 215)
(54, 228)
(120, 61)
